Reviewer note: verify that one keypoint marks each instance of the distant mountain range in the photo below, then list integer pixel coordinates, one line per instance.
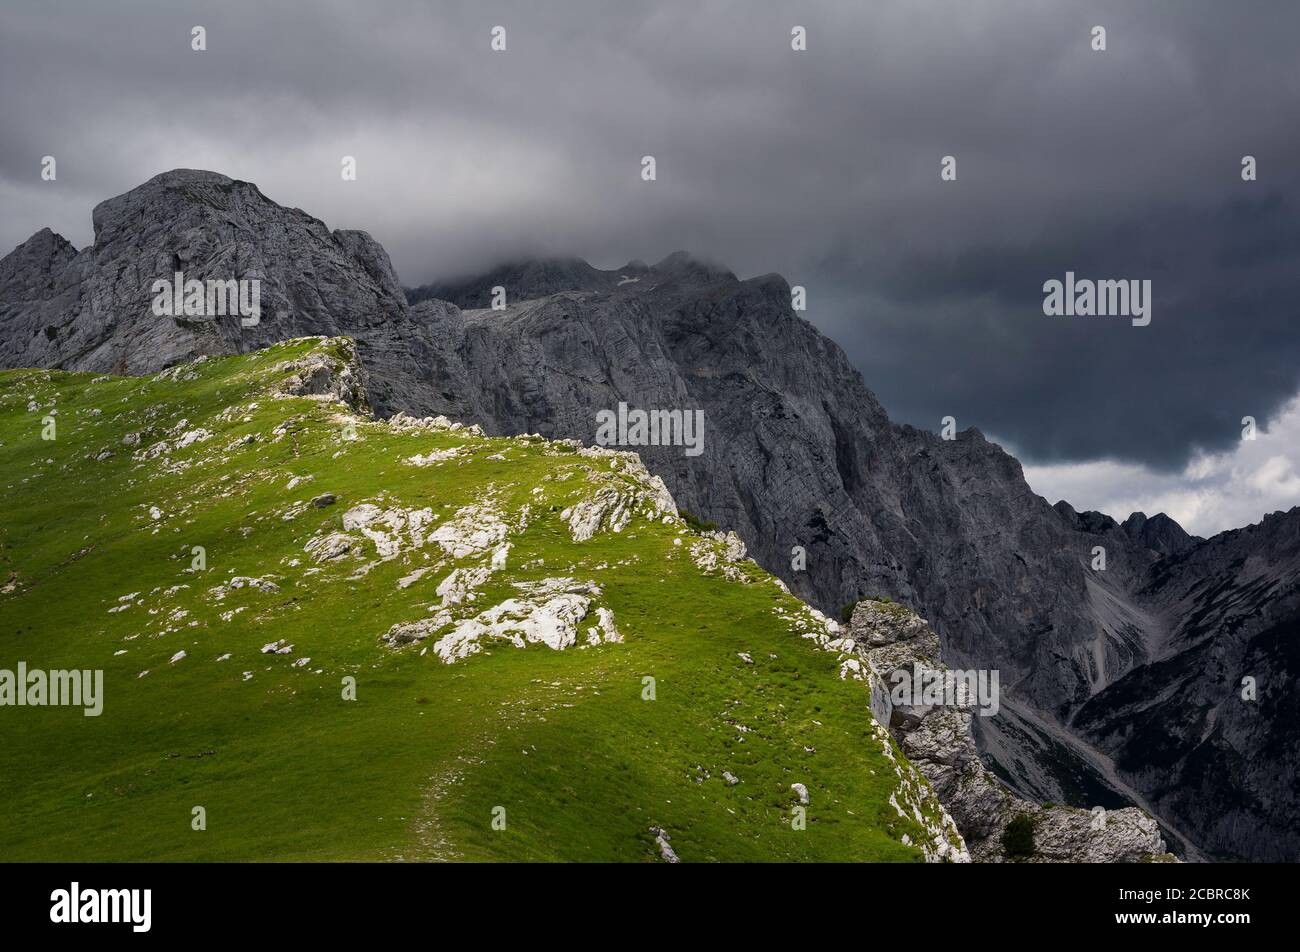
(1120, 685)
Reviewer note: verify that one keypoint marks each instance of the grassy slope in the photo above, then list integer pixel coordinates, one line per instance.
(285, 768)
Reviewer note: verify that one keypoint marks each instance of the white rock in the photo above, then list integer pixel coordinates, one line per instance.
(608, 508)
(406, 581)
(192, 436)
(553, 622)
(472, 531)
(459, 586)
(499, 556)
(665, 851)
(435, 456)
(605, 631)
(556, 585)
(328, 547)
(408, 632)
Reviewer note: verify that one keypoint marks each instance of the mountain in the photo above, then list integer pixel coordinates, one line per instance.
(1208, 727)
(91, 310)
(327, 636)
(798, 458)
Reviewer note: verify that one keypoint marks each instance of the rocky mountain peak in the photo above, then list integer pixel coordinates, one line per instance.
(31, 270)
(684, 264)
(1159, 533)
(173, 190)
(94, 309)
(1089, 520)
(46, 243)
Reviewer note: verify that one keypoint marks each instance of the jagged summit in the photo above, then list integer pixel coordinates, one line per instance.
(1160, 533)
(168, 189)
(45, 240)
(187, 176)
(681, 263)
(32, 269)
(92, 309)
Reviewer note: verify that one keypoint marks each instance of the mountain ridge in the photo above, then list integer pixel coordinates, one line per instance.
(451, 646)
(799, 454)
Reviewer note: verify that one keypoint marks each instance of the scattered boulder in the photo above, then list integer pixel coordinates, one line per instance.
(553, 622)
(661, 840)
(472, 531)
(326, 548)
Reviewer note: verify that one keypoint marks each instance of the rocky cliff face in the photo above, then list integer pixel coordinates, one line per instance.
(798, 453)
(1208, 726)
(91, 310)
(798, 458)
(898, 649)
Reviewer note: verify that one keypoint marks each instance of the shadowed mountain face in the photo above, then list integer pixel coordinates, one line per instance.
(91, 310)
(1209, 726)
(798, 458)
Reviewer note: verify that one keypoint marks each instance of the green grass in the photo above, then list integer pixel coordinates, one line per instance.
(285, 768)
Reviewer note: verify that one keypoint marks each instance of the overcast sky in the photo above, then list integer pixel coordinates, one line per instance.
(822, 165)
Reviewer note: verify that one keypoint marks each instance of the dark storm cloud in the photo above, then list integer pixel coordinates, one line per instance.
(822, 165)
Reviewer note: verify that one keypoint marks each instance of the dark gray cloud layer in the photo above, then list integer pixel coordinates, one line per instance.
(821, 165)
